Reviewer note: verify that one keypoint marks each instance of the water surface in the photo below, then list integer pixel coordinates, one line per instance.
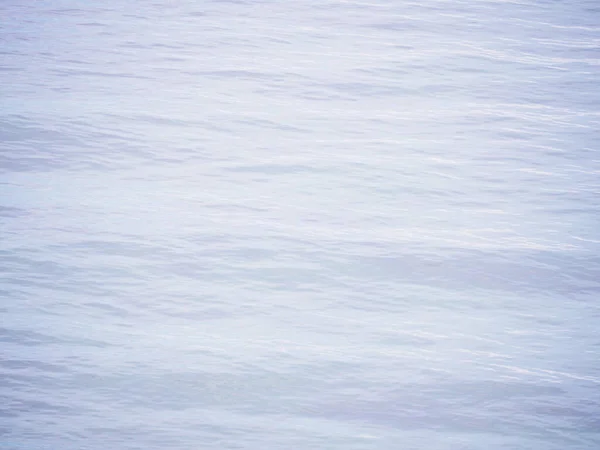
(332, 225)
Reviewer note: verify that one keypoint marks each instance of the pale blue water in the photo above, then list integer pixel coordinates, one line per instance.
(300, 225)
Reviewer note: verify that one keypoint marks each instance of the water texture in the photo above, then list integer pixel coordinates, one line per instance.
(297, 225)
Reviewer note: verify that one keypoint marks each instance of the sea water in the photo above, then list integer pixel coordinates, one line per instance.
(300, 225)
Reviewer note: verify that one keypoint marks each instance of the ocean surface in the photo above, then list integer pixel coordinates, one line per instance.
(300, 225)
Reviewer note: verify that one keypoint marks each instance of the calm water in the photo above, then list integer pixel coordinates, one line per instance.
(300, 225)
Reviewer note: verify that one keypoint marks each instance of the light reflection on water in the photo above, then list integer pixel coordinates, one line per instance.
(319, 225)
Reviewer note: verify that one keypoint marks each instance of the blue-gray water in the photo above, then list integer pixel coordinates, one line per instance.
(300, 225)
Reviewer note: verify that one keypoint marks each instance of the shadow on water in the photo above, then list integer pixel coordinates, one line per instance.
(511, 271)
(507, 408)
